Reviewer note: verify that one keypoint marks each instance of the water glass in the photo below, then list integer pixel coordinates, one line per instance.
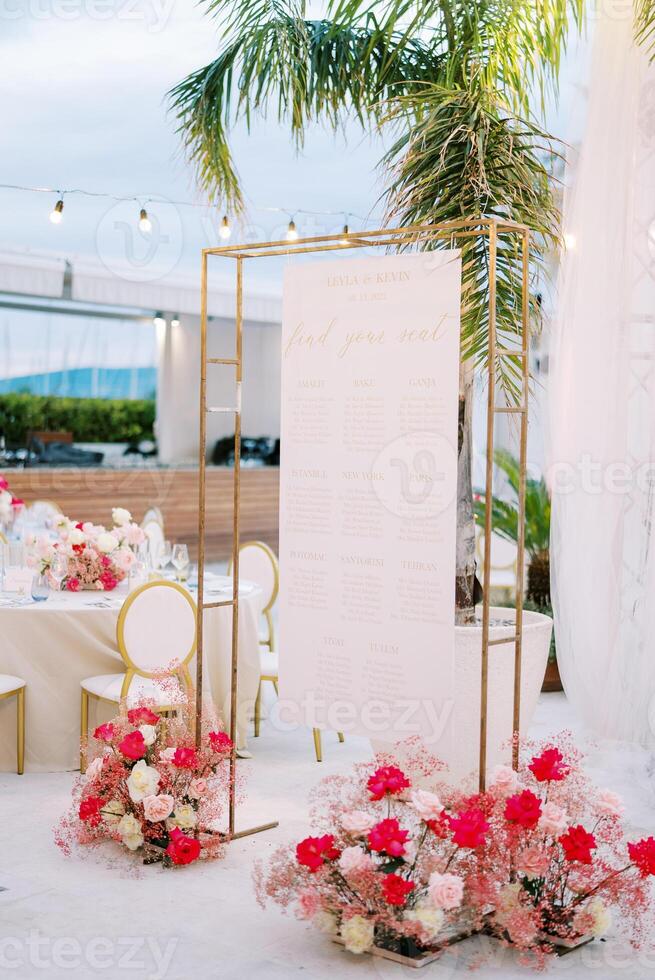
(40, 588)
(181, 561)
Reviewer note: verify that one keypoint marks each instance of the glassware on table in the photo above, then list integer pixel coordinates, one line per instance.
(180, 560)
(58, 570)
(40, 587)
(163, 555)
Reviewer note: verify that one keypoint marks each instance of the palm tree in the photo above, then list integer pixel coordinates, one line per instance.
(537, 524)
(453, 82)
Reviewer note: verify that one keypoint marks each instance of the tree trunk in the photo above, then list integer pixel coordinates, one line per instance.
(465, 581)
(539, 578)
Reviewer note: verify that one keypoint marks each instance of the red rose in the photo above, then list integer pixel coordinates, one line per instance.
(105, 561)
(133, 746)
(395, 889)
(469, 828)
(523, 808)
(78, 548)
(578, 844)
(643, 855)
(3, 483)
(439, 827)
(142, 716)
(387, 837)
(105, 733)
(312, 852)
(17, 502)
(185, 758)
(220, 741)
(549, 766)
(182, 849)
(73, 584)
(387, 779)
(90, 810)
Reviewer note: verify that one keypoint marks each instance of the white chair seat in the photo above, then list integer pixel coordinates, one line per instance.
(109, 686)
(10, 683)
(270, 662)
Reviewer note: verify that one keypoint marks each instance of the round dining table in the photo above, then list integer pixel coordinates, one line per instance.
(54, 644)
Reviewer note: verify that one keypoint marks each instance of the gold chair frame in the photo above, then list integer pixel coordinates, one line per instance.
(19, 694)
(181, 672)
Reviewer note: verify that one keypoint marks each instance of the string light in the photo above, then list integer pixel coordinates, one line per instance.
(346, 232)
(175, 322)
(56, 213)
(570, 241)
(292, 231)
(145, 223)
(225, 231)
(159, 320)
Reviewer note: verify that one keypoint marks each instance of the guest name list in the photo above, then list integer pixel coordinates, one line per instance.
(370, 368)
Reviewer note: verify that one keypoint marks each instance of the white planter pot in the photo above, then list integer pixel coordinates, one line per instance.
(461, 752)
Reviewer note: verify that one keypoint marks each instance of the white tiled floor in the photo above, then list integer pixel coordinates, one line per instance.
(82, 917)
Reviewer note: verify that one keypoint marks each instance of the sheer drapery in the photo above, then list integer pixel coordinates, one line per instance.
(602, 402)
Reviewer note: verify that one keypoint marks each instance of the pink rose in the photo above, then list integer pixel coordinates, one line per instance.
(610, 804)
(134, 535)
(357, 822)
(197, 788)
(533, 863)
(354, 859)
(124, 559)
(504, 780)
(94, 768)
(554, 820)
(445, 891)
(427, 805)
(157, 808)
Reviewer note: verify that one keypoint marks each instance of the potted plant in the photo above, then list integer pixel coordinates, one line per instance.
(537, 542)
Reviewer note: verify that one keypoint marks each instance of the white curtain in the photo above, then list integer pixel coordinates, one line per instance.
(602, 401)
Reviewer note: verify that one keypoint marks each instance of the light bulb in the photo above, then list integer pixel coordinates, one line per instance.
(292, 231)
(144, 221)
(346, 232)
(56, 213)
(175, 322)
(225, 231)
(158, 320)
(569, 241)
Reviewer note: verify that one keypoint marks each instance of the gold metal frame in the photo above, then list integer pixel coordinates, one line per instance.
(19, 694)
(489, 228)
(132, 671)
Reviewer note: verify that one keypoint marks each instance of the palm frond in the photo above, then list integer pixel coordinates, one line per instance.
(504, 513)
(644, 16)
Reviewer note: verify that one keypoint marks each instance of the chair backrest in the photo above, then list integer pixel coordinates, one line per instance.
(42, 511)
(153, 514)
(258, 563)
(156, 631)
(155, 536)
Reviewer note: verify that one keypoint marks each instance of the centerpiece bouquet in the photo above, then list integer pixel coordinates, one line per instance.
(96, 558)
(152, 790)
(10, 506)
(402, 867)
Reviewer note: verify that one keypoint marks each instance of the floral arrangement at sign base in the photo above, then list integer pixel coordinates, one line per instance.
(403, 867)
(151, 790)
(95, 558)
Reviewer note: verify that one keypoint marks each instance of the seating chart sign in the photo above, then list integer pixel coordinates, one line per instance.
(370, 373)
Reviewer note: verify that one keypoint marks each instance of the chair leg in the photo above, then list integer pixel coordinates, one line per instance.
(20, 740)
(84, 730)
(258, 710)
(317, 745)
(276, 689)
(342, 737)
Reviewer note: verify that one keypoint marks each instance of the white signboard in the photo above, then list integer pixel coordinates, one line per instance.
(370, 368)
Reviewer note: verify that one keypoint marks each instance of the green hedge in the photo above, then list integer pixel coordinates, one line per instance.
(89, 419)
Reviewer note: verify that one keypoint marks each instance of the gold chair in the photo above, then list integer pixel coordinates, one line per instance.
(156, 628)
(153, 515)
(3, 539)
(14, 687)
(258, 563)
(48, 507)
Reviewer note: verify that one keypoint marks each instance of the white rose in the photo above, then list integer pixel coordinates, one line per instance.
(429, 918)
(76, 536)
(354, 859)
(120, 516)
(325, 922)
(149, 733)
(142, 781)
(427, 805)
(357, 822)
(113, 811)
(129, 829)
(106, 543)
(601, 915)
(357, 934)
(184, 817)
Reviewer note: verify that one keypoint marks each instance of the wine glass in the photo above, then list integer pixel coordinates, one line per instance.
(181, 560)
(164, 554)
(58, 570)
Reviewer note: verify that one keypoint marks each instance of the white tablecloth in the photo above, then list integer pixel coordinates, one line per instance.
(53, 645)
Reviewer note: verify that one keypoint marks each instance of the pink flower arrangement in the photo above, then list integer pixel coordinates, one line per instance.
(537, 861)
(95, 558)
(152, 790)
(10, 505)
